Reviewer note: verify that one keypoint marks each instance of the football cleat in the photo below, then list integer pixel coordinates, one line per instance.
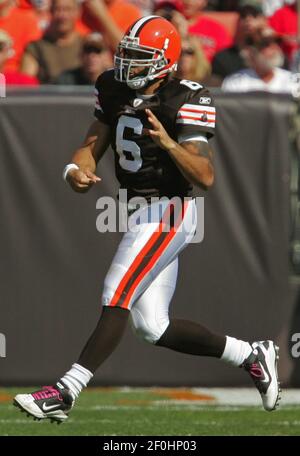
(261, 364)
(52, 402)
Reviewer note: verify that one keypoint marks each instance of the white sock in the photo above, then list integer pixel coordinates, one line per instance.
(236, 351)
(76, 378)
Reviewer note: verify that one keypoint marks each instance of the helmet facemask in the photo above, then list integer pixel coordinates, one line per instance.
(131, 56)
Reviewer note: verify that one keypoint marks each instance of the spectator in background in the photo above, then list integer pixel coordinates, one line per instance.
(211, 34)
(270, 6)
(21, 26)
(193, 64)
(231, 60)
(264, 57)
(172, 10)
(110, 17)
(59, 49)
(42, 9)
(223, 5)
(12, 77)
(95, 58)
(145, 6)
(285, 22)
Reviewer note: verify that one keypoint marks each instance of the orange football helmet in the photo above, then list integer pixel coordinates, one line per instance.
(149, 50)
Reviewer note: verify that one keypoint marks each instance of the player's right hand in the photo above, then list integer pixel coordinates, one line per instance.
(82, 180)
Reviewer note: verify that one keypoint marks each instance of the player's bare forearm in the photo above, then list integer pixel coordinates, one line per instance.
(87, 156)
(194, 159)
(84, 159)
(98, 10)
(93, 148)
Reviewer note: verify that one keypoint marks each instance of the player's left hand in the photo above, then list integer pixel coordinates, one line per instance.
(158, 133)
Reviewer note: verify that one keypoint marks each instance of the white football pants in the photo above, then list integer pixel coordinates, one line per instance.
(142, 276)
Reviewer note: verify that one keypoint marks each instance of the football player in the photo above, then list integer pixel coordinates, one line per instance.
(159, 128)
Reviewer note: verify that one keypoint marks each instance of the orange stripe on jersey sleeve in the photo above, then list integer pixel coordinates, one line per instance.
(197, 118)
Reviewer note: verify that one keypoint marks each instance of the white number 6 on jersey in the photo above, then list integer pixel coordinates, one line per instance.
(123, 146)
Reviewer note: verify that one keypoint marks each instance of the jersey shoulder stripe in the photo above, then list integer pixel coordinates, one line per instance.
(196, 115)
(196, 112)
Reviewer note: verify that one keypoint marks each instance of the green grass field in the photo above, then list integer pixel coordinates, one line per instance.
(151, 412)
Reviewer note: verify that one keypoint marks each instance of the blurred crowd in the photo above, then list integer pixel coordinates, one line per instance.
(238, 45)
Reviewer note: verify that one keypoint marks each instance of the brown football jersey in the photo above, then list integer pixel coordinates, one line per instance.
(185, 109)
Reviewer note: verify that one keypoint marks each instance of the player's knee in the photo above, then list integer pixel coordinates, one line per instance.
(148, 329)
